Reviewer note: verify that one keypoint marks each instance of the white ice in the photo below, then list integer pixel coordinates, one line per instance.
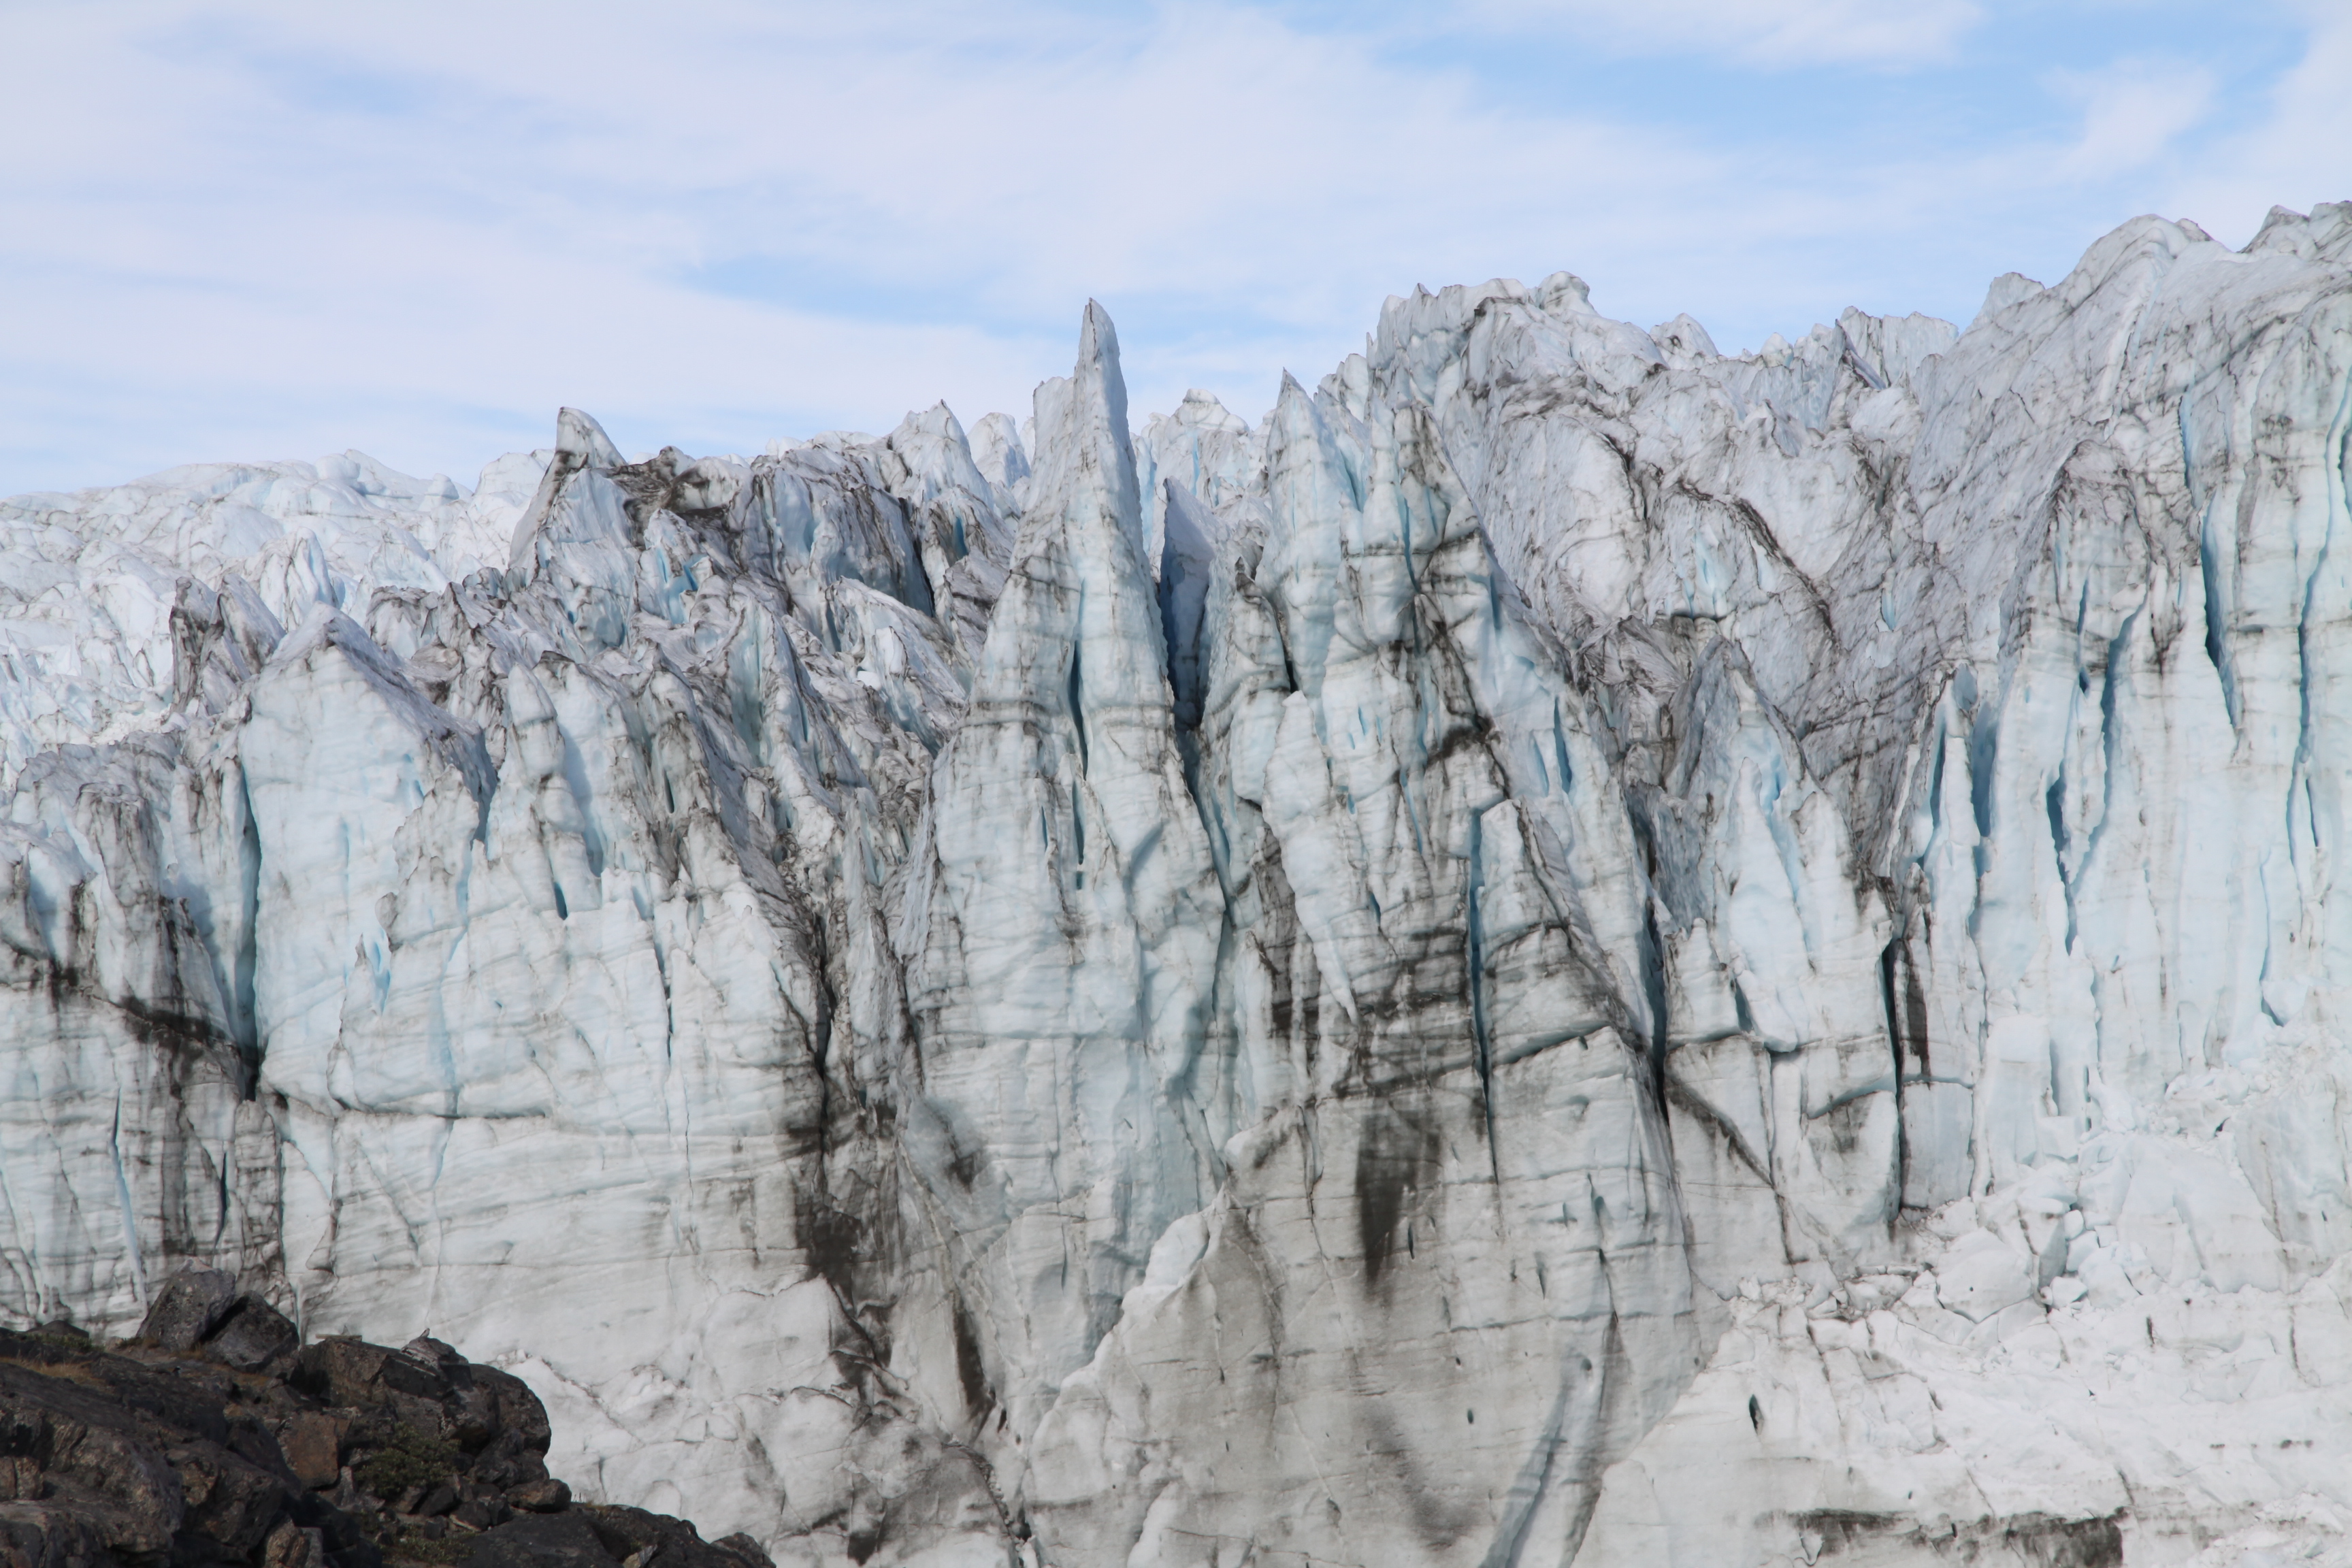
(1570, 949)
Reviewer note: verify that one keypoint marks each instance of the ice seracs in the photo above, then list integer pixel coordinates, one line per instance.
(1570, 949)
(87, 588)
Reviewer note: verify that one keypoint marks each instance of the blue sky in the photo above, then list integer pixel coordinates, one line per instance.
(253, 230)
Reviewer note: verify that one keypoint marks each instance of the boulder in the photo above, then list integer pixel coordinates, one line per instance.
(189, 1307)
(253, 1335)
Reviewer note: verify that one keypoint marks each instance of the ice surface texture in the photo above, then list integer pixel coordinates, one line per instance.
(1571, 950)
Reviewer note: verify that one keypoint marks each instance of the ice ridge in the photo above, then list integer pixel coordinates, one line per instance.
(1571, 949)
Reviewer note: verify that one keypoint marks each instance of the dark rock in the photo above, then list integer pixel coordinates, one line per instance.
(541, 1497)
(419, 1391)
(749, 1550)
(467, 1402)
(291, 1546)
(97, 1458)
(184, 1397)
(519, 1409)
(20, 1479)
(657, 1540)
(483, 1512)
(341, 1370)
(253, 1443)
(312, 1444)
(148, 1457)
(363, 1428)
(472, 1417)
(506, 1462)
(414, 1376)
(35, 1537)
(542, 1540)
(344, 1537)
(228, 1501)
(191, 1304)
(426, 1348)
(253, 1335)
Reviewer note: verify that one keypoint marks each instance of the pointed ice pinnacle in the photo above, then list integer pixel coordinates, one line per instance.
(1073, 919)
(1633, 955)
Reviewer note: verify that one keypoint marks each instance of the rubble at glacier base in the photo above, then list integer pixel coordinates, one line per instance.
(1571, 950)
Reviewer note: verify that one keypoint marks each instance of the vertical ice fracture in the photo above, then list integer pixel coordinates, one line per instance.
(1571, 950)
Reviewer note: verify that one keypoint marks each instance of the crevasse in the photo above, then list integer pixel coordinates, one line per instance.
(1571, 949)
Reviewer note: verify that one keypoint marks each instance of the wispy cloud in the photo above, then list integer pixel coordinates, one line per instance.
(2296, 153)
(1773, 33)
(254, 228)
(2133, 112)
(459, 196)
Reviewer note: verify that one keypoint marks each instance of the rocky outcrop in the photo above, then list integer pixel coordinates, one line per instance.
(1572, 949)
(215, 1437)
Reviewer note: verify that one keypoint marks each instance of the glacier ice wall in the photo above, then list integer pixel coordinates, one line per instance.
(1571, 950)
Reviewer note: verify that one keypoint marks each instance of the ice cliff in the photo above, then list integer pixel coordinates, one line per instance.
(1573, 950)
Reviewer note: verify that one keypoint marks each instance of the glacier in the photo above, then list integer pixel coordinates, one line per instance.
(1572, 949)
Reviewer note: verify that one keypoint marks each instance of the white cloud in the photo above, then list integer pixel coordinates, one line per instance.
(2298, 154)
(455, 200)
(2132, 113)
(1761, 32)
(257, 227)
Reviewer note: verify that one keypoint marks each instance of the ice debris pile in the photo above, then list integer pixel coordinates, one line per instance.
(1573, 948)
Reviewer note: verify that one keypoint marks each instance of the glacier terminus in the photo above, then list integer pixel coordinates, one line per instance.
(1571, 949)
